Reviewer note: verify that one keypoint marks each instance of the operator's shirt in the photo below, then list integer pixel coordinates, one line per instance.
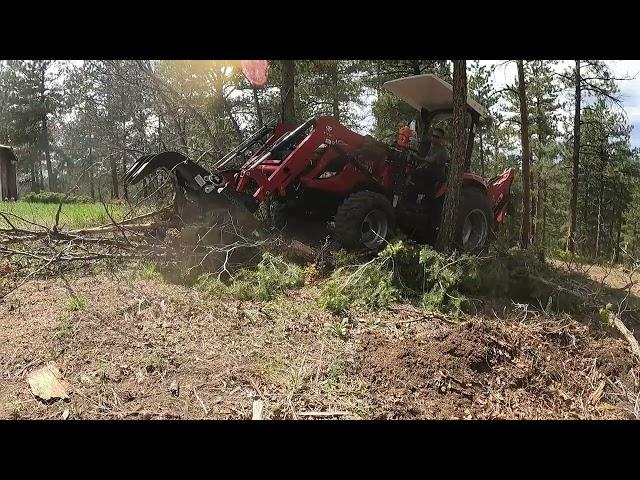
(439, 156)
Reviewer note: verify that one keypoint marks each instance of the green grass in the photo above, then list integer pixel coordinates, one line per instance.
(75, 303)
(74, 215)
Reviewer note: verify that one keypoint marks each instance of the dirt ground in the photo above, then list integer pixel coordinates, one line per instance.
(135, 348)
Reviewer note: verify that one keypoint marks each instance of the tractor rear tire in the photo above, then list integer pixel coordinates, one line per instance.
(475, 226)
(364, 220)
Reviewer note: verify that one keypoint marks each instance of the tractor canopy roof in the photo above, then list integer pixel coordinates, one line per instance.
(428, 92)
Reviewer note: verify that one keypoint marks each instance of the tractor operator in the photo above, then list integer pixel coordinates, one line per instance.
(428, 176)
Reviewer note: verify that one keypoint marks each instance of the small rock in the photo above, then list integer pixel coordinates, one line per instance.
(139, 376)
(174, 388)
(65, 414)
(85, 379)
(258, 406)
(47, 383)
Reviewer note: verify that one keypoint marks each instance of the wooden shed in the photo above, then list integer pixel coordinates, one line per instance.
(8, 175)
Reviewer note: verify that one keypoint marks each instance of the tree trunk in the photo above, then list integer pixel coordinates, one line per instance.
(456, 166)
(35, 184)
(287, 91)
(335, 103)
(40, 175)
(539, 212)
(125, 189)
(115, 193)
(481, 153)
(573, 204)
(544, 213)
(598, 219)
(600, 198)
(256, 104)
(234, 122)
(534, 187)
(524, 138)
(616, 258)
(47, 154)
(92, 186)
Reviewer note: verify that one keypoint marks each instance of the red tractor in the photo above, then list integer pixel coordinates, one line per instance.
(325, 171)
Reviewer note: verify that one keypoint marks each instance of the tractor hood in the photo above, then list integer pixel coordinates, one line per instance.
(428, 92)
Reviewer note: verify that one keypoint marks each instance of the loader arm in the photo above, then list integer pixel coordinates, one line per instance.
(324, 130)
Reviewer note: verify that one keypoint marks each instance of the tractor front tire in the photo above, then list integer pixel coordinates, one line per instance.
(475, 224)
(364, 220)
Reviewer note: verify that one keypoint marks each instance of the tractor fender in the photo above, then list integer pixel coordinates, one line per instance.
(469, 180)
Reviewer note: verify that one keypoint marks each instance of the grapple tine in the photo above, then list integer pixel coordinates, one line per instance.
(138, 164)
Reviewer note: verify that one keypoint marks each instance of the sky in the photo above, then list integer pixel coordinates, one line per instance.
(629, 89)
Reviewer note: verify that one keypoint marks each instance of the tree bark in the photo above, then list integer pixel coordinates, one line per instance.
(539, 212)
(616, 258)
(335, 103)
(125, 189)
(115, 193)
(47, 154)
(256, 104)
(600, 198)
(533, 186)
(234, 122)
(287, 91)
(481, 153)
(35, 184)
(573, 204)
(445, 238)
(524, 138)
(92, 186)
(544, 212)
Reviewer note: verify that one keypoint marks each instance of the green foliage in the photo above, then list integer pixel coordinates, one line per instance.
(272, 276)
(571, 257)
(505, 275)
(148, 271)
(211, 286)
(55, 197)
(337, 328)
(606, 316)
(370, 286)
(75, 303)
(402, 271)
(73, 215)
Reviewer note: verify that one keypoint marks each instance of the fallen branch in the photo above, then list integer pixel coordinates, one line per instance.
(323, 414)
(617, 324)
(626, 333)
(118, 228)
(137, 218)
